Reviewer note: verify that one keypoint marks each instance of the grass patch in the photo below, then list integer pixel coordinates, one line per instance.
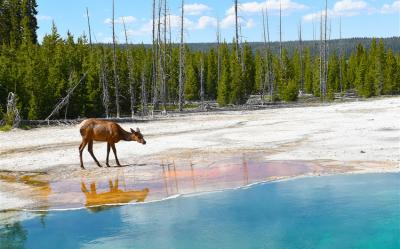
(5, 128)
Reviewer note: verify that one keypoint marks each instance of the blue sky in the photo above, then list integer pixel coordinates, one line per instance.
(360, 18)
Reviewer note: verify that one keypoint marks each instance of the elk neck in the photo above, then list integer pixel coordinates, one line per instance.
(126, 136)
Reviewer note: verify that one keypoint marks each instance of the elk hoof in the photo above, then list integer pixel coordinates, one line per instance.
(82, 167)
(108, 165)
(99, 165)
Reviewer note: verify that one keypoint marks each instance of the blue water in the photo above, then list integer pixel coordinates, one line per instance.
(356, 211)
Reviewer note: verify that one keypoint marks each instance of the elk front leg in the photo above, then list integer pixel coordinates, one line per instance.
(108, 153)
(115, 153)
(90, 149)
(81, 147)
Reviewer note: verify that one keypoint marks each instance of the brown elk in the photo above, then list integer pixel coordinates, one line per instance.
(105, 131)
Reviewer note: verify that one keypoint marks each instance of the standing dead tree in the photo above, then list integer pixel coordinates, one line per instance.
(116, 79)
(326, 49)
(104, 84)
(202, 81)
(154, 55)
(321, 63)
(164, 61)
(64, 101)
(130, 72)
(158, 83)
(181, 62)
(12, 110)
(90, 32)
(218, 51)
(301, 60)
(340, 56)
(144, 92)
(268, 77)
(282, 65)
(237, 30)
(262, 87)
(280, 32)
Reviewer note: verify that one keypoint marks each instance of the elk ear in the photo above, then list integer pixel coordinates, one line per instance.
(137, 130)
(133, 132)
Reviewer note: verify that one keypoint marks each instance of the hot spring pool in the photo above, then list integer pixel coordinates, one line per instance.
(346, 211)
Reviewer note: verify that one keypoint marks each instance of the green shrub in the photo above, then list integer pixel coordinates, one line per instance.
(5, 128)
(291, 92)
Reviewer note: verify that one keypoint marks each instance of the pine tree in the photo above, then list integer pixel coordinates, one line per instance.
(308, 71)
(29, 23)
(212, 75)
(237, 90)
(391, 84)
(224, 85)
(333, 76)
(191, 81)
(259, 74)
(248, 71)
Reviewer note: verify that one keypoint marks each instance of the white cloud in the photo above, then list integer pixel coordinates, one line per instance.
(257, 7)
(349, 6)
(250, 24)
(121, 20)
(206, 21)
(44, 18)
(391, 8)
(229, 22)
(195, 9)
(173, 21)
(341, 8)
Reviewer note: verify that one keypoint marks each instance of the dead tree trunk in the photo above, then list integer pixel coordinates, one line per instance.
(237, 30)
(158, 83)
(202, 81)
(181, 63)
(325, 48)
(262, 87)
(340, 55)
(269, 62)
(301, 60)
(90, 32)
(280, 31)
(12, 110)
(283, 69)
(104, 84)
(130, 72)
(154, 54)
(164, 66)
(144, 92)
(116, 80)
(321, 62)
(218, 52)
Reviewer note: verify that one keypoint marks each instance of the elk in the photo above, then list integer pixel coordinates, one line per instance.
(105, 131)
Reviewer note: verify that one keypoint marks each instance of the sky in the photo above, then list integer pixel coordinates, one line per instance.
(358, 18)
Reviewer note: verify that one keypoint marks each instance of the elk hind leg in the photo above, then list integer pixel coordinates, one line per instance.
(108, 153)
(90, 149)
(115, 153)
(81, 147)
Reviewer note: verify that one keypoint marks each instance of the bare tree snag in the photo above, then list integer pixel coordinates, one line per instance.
(116, 80)
(181, 63)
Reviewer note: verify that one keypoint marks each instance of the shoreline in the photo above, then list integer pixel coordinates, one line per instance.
(325, 171)
(188, 112)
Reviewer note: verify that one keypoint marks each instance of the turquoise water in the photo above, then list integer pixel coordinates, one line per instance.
(353, 211)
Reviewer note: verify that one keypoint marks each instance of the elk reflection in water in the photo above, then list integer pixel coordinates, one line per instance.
(115, 196)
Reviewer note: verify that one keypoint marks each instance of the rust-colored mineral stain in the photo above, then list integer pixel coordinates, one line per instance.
(31, 184)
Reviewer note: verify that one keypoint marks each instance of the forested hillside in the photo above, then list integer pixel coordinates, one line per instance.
(42, 74)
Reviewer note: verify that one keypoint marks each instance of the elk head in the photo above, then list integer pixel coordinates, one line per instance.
(137, 136)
